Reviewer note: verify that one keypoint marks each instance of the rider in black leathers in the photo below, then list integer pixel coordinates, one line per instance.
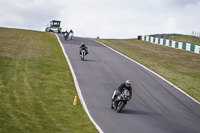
(126, 85)
(82, 46)
(66, 34)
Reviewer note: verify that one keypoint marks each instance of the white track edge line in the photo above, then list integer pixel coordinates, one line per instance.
(77, 87)
(151, 72)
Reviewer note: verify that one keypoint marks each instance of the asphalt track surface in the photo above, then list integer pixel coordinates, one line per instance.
(156, 106)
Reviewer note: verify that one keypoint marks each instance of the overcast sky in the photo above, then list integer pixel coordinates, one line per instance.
(104, 18)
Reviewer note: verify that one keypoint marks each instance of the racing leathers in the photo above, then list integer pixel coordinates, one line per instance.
(121, 89)
(66, 34)
(85, 48)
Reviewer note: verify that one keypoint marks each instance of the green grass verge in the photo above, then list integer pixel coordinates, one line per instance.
(36, 86)
(178, 66)
(186, 39)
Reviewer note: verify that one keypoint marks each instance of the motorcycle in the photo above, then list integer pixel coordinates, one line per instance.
(66, 34)
(71, 35)
(120, 101)
(83, 54)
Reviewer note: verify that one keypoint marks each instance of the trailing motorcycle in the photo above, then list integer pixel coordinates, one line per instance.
(119, 102)
(71, 36)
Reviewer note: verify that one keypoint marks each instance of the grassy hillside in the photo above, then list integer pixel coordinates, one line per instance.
(180, 67)
(186, 39)
(36, 86)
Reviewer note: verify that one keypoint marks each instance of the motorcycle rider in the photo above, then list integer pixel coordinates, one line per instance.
(71, 33)
(82, 46)
(66, 34)
(121, 88)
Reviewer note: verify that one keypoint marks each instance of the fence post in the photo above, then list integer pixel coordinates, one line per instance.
(164, 41)
(158, 40)
(170, 43)
(184, 46)
(176, 45)
(192, 48)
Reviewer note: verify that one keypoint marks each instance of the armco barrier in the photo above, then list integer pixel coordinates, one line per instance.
(174, 44)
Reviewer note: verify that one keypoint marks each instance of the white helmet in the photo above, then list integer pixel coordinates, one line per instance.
(128, 83)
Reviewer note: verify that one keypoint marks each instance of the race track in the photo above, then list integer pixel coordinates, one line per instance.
(156, 106)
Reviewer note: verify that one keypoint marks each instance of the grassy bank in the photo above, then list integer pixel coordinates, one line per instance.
(178, 66)
(36, 86)
(186, 39)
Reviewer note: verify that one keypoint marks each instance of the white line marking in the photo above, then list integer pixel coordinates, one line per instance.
(151, 72)
(78, 88)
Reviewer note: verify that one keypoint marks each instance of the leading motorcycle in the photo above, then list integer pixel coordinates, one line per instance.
(119, 102)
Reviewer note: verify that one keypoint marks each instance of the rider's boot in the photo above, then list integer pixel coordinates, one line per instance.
(112, 106)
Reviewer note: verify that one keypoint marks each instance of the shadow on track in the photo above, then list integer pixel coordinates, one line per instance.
(89, 60)
(136, 112)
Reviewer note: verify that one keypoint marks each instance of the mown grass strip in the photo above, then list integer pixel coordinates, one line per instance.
(36, 86)
(178, 66)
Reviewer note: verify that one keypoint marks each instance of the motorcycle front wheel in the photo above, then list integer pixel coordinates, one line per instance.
(120, 106)
(82, 56)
